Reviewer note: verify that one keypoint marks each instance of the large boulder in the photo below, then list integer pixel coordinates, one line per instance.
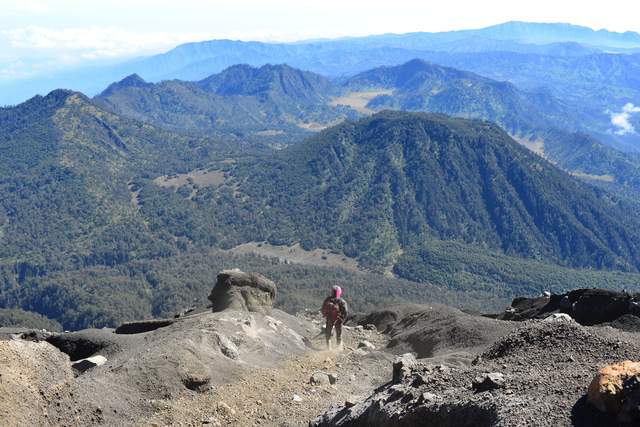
(596, 306)
(586, 306)
(236, 290)
(616, 390)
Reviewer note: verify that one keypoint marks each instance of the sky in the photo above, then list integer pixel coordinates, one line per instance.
(39, 36)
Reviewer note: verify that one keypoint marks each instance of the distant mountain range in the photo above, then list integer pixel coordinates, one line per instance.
(195, 61)
(276, 105)
(421, 86)
(594, 71)
(270, 103)
(247, 101)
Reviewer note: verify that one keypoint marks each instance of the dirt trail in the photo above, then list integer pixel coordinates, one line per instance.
(284, 396)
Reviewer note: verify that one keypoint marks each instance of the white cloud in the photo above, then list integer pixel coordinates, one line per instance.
(97, 42)
(28, 6)
(621, 120)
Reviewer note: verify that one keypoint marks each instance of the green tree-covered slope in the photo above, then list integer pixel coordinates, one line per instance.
(385, 184)
(246, 102)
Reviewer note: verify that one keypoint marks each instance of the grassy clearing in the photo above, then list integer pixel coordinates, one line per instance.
(359, 100)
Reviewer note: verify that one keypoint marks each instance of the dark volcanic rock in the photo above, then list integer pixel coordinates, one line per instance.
(237, 290)
(547, 367)
(141, 326)
(79, 345)
(628, 322)
(586, 306)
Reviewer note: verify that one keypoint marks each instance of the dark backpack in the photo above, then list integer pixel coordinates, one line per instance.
(333, 309)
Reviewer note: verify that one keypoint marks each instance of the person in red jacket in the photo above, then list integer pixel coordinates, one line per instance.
(334, 309)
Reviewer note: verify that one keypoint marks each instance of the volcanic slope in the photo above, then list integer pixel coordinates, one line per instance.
(380, 187)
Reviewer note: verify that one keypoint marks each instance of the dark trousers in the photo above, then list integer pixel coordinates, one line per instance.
(328, 329)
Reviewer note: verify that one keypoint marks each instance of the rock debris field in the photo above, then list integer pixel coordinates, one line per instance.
(239, 362)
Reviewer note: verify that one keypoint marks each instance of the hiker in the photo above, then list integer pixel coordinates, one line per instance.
(334, 309)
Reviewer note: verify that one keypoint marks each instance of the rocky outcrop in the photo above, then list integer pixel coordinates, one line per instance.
(402, 366)
(536, 375)
(586, 306)
(616, 390)
(236, 290)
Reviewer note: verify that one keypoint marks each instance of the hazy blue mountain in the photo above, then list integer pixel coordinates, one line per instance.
(542, 33)
(422, 86)
(194, 61)
(515, 31)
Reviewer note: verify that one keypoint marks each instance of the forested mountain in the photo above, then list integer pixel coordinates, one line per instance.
(250, 103)
(421, 86)
(539, 120)
(587, 158)
(278, 105)
(379, 187)
(105, 218)
(65, 172)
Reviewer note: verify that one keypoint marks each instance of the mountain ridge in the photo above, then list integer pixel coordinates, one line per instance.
(390, 194)
(241, 101)
(335, 57)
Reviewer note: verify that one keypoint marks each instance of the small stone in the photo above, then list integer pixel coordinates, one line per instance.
(418, 380)
(443, 368)
(88, 363)
(364, 344)
(488, 382)
(225, 409)
(297, 398)
(427, 397)
(227, 347)
(319, 378)
(333, 378)
(259, 402)
(370, 327)
(559, 317)
(210, 420)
